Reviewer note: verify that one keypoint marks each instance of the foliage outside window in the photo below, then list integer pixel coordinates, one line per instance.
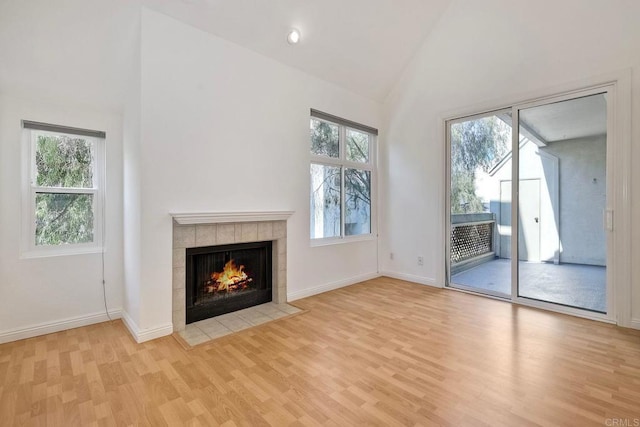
(477, 146)
(64, 191)
(340, 179)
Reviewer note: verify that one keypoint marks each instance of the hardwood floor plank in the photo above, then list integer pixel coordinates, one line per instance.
(383, 352)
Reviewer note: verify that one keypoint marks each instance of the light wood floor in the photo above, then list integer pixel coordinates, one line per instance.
(383, 352)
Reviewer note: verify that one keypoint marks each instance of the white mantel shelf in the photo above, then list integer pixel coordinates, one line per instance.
(190, 218)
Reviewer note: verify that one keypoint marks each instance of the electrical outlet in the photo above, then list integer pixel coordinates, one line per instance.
(391, 256)
(420, 260)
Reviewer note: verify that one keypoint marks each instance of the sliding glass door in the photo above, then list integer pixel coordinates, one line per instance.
(527, 203)
(562, 248)
(480, 242)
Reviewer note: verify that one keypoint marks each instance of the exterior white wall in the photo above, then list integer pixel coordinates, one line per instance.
(225, 129)
(43, 295)
(583, 197)
(533, 165)
(482, 53)
(573, 173)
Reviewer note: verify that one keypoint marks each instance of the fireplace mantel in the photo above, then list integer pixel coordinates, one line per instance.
(191, 218)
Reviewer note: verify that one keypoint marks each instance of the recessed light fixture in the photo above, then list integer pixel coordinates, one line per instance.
(294, 36)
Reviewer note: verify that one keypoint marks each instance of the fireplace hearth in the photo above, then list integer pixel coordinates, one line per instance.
(225, 278)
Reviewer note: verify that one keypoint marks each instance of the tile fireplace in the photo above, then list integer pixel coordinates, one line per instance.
(220, 275)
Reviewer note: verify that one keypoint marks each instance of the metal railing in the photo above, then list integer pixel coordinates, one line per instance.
(472, 240)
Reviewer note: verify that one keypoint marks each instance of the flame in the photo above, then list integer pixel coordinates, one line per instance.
(231, 278)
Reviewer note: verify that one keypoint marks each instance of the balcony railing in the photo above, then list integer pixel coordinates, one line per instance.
(472, 240)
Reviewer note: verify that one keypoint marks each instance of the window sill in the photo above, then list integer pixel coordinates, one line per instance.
(328, 241)
(61, 251)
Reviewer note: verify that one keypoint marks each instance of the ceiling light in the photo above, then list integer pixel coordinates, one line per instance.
(294, 36)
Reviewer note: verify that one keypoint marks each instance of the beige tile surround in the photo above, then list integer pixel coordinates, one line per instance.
(198, 235)
(219, 326)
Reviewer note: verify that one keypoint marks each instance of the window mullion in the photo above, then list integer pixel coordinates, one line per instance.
(322, 160)
(64, 190)
(356, 165)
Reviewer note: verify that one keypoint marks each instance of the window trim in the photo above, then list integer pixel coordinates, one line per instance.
(342, 162)
(29, 249)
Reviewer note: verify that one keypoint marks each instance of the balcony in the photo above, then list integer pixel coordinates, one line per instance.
(476, 266)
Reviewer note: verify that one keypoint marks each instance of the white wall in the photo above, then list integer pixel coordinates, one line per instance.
(74, 51)
(42, 295)
(132, 193)
(480, 53)
(62, 64)
(225, 129)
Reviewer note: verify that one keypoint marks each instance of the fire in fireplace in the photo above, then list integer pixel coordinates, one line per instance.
(230, 279)
(226, 278)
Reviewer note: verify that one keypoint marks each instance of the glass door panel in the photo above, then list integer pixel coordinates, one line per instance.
(480, 215)
(562, 244)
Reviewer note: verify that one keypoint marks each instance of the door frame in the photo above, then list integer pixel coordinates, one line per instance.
(617, 85)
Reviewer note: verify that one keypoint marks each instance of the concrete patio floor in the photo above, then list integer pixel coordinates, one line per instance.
(575, 285)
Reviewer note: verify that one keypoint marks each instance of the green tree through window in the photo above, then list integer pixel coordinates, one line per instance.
(475, 145)
(341, 171)
(63, 163)
(64, 188)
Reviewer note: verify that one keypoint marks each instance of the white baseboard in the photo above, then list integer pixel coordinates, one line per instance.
(142, 335)
(411, 278)
(292, 296)
(130, 324)
(61, 325)
(635, 323)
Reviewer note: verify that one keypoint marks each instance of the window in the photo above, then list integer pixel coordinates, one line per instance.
(64, 196)
(341, 174)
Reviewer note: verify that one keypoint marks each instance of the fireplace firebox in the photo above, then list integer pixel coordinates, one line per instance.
(225, 278)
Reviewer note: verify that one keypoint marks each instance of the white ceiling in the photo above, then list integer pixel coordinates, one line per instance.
(83, 48)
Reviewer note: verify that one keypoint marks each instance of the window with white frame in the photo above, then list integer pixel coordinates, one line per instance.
(65, 189)
(341, 175)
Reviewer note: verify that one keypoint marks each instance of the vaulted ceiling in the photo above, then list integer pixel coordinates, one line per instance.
(84, 48)
(362, 45)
